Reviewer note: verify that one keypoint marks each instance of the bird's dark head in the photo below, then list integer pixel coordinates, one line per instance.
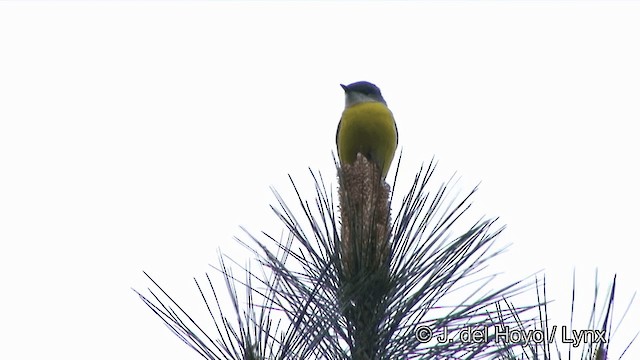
(362, 91)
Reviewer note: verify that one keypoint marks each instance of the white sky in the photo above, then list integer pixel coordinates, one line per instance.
(140, 136)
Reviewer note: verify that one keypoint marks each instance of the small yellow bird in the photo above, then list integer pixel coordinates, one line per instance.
(367, 127)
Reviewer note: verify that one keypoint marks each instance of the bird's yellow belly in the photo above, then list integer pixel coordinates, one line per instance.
(369, 129)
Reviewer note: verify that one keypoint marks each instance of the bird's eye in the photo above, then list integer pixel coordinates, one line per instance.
(368, 92)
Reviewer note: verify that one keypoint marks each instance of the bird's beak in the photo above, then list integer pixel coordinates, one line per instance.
(344, 87)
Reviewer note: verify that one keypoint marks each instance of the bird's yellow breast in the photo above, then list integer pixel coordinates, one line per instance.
(370, 129)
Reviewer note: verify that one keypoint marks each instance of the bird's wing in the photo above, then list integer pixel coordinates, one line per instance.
(397, 136)
(338, 132)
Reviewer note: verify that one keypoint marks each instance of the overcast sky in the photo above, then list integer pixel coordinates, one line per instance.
(140, 135)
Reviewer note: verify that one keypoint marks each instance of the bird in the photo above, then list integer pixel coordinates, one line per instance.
(367, 126)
